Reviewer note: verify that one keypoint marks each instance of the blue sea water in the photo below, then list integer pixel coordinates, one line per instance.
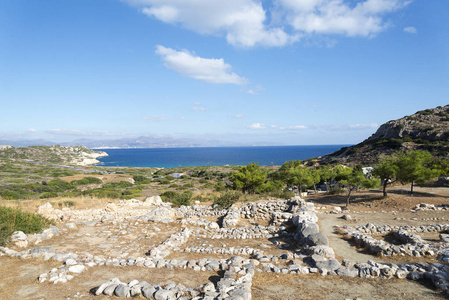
(214, 156)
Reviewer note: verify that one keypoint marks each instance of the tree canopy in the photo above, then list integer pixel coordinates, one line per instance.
(248, 178)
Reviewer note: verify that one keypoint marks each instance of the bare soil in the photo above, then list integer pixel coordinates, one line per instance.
(18, 278)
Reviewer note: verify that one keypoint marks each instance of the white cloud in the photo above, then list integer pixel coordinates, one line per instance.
(242, 22)
(363, 126)
(294, 127)
(32, 130)
(339, 16)
(247, 23)
(410, 30)
(213, 70)
(156, 118)
(257, 126)
(238, 116)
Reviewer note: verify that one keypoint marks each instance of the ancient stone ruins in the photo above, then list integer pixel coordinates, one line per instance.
(129, 234)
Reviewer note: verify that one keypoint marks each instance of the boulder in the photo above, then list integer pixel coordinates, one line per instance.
(121, 290)
(158, 214)
(153, 201)
(330, 265)
(306, 229)
(164, 294)
(316, 239)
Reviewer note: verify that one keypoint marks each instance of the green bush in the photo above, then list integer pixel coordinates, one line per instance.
(336, 191)
(60, 185)
(163, 181)
(219, 186)
(208, 185)
(177, 199)
(16, 220)
(9, 195)
(186, 186)
(118, 185)
(282, 194)
(166, 196)
(48, 195)
(139, 179)
(103, 193)
(88, 180)
(228, 198)
(203, 180)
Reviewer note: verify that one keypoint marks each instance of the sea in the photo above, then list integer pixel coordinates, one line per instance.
(212, 156)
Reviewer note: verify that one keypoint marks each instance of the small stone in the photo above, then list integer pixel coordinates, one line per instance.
(77, 269)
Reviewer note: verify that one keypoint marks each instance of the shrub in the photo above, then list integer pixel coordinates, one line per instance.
(208, 185)
(103, 193)
(336, 191)
(186, 186)
(139, 179)
(88, 180)
(219, 186)
(9, 195)
(282, 194)
(176, 198)
(227, 199)
(59, 185)
(203, 180)
(16, 220)
(163, 181)
(48, 195)
(118, 185)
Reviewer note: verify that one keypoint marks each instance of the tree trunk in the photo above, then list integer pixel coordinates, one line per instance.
(385, 187)
(411, 190)
(349, 196)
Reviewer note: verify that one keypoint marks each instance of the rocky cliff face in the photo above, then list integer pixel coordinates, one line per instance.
(430, 124)
(425, 130)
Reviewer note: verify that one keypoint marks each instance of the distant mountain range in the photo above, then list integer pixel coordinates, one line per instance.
(139, 142)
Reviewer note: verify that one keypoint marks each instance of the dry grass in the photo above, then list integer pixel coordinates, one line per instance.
(106, 178)
(82, 202)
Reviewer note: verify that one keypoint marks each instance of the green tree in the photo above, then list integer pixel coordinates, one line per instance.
(441, 166)
(248, 178)
(294, 173)
(386, 171)
(415, 167)
(326, 175)
(355, 180)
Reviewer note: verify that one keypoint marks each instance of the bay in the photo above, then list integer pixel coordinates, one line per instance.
(213, 156)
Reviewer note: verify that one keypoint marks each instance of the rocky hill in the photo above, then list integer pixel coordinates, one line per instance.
(76, 155)
(425, 130)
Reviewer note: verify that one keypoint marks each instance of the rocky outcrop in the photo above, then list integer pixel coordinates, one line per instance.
(425, 130)
(75, 155)
(430, 124)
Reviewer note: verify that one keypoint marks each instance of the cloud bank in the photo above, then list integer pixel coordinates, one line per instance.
(249, 23)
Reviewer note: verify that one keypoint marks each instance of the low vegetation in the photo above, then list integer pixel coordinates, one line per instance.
(17, 220)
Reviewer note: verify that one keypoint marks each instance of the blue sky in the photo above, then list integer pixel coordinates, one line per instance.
(291, 72)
